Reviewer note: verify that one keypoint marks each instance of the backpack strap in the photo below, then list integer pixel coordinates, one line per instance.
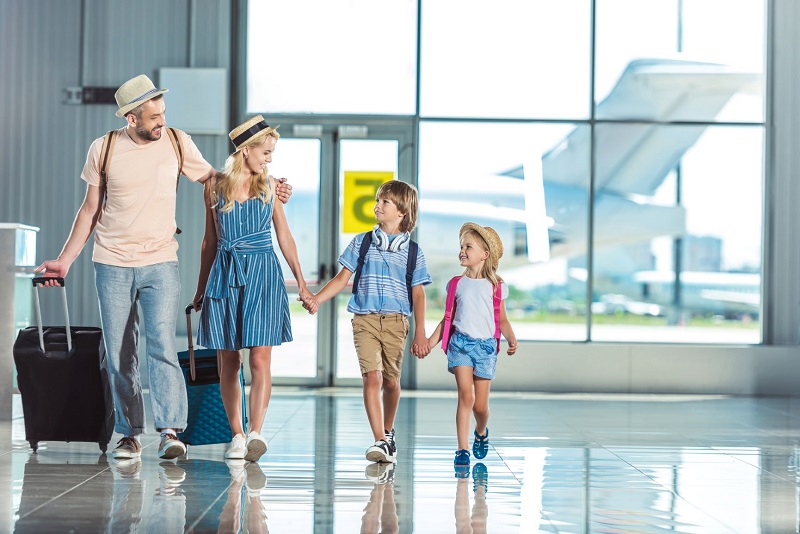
(498, 296)
(411, 265)
(105, 157)
(214, 202)
(362, 255)
(177, 145)
(447, 329)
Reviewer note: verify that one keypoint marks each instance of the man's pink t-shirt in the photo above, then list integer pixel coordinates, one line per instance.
(137, 224)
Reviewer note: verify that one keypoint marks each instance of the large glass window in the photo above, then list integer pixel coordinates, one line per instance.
(506, 59)
(615, 145)
(323, 56)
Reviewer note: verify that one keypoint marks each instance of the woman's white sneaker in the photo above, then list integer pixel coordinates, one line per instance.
(256, 446)
(237, 449)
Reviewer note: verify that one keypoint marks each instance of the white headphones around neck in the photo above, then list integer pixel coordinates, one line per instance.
(381, 240)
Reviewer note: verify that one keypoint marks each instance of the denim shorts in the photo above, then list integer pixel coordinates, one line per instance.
(480, 354)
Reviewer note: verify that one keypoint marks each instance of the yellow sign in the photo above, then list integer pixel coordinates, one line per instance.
(359, 199)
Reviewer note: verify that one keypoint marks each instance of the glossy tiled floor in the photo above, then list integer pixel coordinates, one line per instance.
(558, 463)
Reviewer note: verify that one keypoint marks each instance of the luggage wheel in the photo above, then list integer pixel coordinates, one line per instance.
(34, 445)
(103, 446)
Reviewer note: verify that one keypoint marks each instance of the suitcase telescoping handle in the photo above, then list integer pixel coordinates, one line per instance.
(60, 281)
(189, 309)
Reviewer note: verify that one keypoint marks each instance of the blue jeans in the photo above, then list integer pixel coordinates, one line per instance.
(157, 289)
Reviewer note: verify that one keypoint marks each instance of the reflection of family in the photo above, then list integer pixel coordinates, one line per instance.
(130, 206)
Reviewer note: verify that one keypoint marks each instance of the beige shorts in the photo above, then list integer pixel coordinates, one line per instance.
(380, 342)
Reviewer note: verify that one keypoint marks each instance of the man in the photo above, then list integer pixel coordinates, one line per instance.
(132, 212)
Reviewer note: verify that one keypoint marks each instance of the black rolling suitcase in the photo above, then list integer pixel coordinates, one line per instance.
(63, 381)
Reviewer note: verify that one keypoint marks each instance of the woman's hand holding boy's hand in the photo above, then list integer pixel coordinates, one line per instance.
(512, 347)
(309, 301)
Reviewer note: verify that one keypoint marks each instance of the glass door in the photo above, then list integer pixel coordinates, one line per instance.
(334, 176)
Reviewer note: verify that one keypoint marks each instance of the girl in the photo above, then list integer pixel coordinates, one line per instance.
(473, 340)
(241, 288)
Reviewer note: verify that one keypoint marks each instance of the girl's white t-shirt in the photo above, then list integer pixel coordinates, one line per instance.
(475, 308)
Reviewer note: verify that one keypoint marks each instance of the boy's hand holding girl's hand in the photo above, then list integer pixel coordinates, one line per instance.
(421, 346)
(512, 347)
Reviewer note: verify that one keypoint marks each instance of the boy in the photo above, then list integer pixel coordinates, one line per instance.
(390, 275)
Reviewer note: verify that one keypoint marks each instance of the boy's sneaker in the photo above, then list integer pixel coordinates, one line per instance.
(127, 448)
(170, 447)
(256, 446)
(379, 473)
(392, 443)
(480, 477)
(380, 451)
(237, 448)
(480, 447)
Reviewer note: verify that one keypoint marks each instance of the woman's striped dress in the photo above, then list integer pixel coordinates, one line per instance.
(245, 303)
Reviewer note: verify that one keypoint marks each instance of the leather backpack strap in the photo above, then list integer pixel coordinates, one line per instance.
(177, 145)
(214, 202)
(105, 156)
(448, 311)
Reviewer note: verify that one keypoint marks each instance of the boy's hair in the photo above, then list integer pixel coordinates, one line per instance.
(404, 197)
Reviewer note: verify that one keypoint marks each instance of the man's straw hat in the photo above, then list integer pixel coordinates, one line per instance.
(245, 132)
(489, 235)
(134, 93)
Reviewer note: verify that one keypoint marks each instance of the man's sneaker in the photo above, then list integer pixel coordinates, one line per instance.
(380, 451)
(127, 448)
(256, 446)
(389, 436)
(237, 449)
(170, 447)
(481, 444)
(380, 473)
(480, 477)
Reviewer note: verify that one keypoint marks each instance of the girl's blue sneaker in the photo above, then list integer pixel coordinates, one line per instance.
(480, 447)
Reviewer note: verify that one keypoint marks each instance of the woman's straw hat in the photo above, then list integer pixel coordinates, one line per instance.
(246, 131)
(489, 235)
(134, 93)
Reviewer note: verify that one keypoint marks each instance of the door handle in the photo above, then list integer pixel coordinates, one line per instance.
(323, 272)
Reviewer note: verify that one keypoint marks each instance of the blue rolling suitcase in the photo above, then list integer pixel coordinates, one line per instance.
(207, 423)
(63, 381)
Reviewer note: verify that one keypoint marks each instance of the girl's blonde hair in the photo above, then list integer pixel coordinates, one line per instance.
(404, 196)
(489, 270)
(230, 179)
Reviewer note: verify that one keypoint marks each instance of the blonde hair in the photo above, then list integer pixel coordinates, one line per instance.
(489, 269)
(404, 196)
(230, 179)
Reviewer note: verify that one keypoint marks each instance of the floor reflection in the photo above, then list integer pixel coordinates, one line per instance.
(556, 464)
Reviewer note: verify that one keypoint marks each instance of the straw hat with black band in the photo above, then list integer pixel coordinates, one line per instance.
(134, 93)
(245, 132)
(489, 235)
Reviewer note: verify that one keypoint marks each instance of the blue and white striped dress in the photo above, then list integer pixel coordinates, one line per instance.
(245, 303)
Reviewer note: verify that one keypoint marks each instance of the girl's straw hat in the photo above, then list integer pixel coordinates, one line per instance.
(489, 235)
(134, 93)
(246, 131)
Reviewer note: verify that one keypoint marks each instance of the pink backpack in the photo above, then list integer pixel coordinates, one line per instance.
(448, 328)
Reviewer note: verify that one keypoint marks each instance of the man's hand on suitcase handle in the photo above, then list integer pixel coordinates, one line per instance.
(48, 281)
(52, 270)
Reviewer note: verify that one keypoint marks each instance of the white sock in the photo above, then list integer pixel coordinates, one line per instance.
(165, 431)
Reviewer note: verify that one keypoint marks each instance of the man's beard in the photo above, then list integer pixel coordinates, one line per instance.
(147, 134)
